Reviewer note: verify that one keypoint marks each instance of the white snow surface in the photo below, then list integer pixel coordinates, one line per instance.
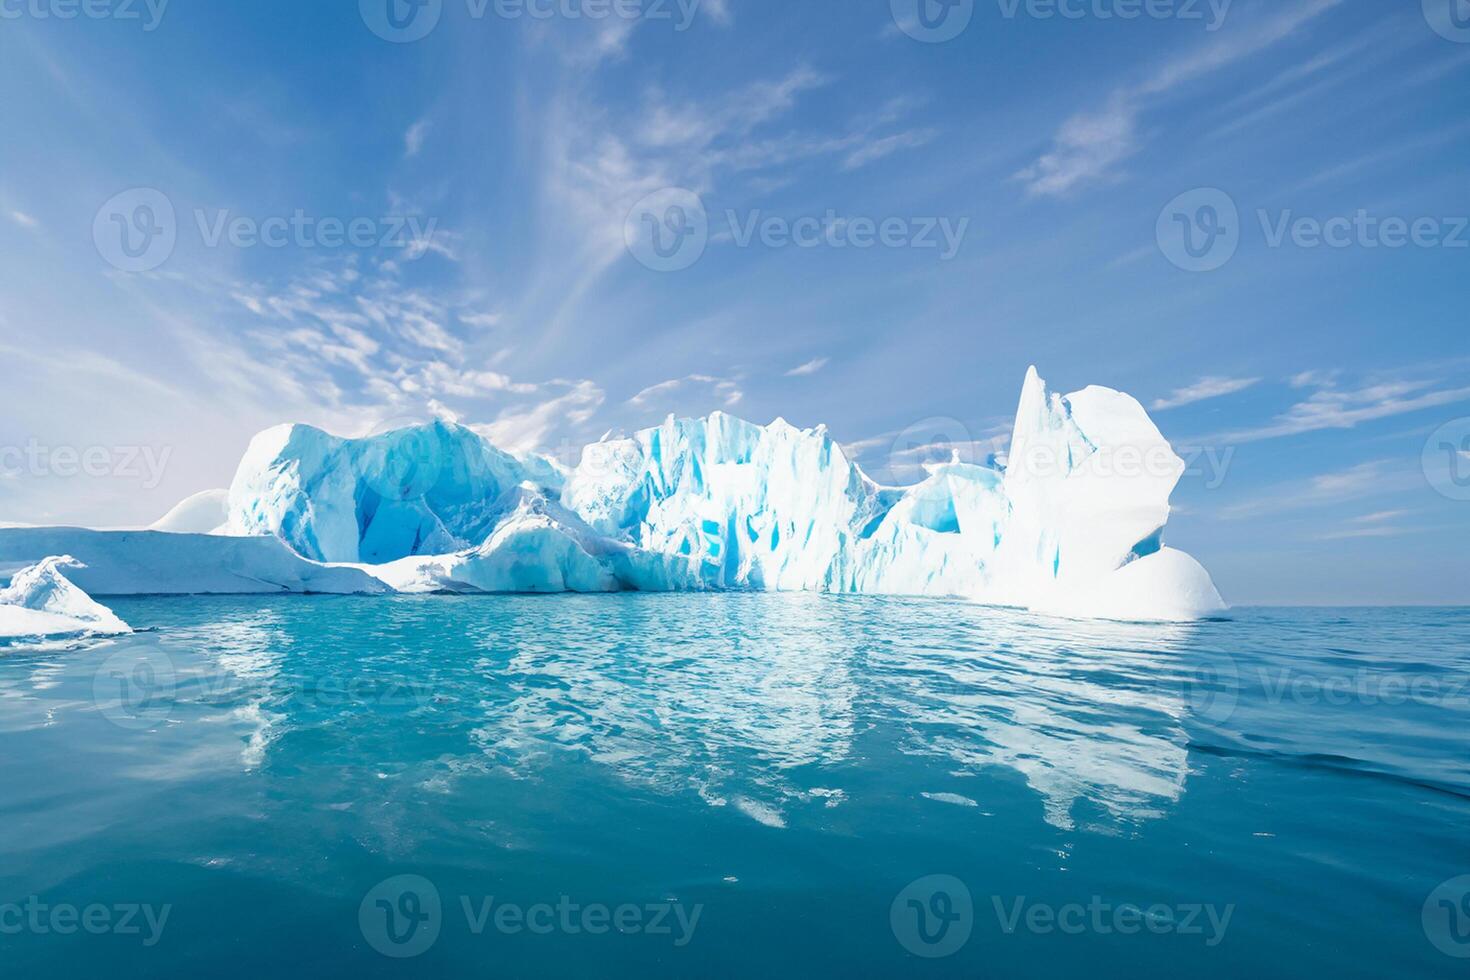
(204, 513)
(124, 563)
(1071, 525)
(41, 603)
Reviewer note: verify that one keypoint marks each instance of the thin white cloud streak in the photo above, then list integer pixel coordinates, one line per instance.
(1381, 516)
(598, 164)
(1333, 408)
(810, 367)
(531, 428)
(1363, 532)
(725, 389)
(1376, 477)
(1089, 146)
(481, 321)
(1202, 390)
(413, 140)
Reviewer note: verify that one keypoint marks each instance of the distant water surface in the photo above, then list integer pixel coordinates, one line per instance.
(728, 785)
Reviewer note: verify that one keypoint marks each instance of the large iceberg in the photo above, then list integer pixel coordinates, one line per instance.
(41, 603)
(1072, 523)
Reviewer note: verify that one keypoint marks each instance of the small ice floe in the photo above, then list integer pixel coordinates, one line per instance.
(952, 798)
(42, 605)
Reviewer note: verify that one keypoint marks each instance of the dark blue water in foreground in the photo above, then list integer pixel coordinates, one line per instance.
(727, 785)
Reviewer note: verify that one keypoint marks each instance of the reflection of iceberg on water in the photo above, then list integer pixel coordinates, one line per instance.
(1084, 713)
(726, 702)
(757, 704)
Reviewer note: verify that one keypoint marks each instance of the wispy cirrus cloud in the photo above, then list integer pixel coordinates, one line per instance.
(810, 367)
(533, 427)
(1351, 533)
(1089, 146)
(1332, 407)
(1202, 390)
(1381, 516)
(413, 140)
(1381, 476)
(724, 389)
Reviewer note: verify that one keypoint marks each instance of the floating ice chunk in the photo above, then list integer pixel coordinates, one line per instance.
(42, 603)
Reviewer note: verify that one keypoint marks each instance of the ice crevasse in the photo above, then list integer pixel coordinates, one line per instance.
(1072, 524)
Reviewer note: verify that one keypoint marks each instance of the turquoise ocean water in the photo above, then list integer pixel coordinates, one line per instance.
(728, 785)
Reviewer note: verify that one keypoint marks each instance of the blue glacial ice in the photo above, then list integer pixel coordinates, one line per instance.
(1072, 524)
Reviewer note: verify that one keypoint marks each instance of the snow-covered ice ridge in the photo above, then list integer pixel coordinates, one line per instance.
(1072, 525)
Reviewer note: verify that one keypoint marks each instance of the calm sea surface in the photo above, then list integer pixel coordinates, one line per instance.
(728, 785)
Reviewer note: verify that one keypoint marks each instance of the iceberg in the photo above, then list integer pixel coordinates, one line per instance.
(1071, 524)
(42, 604)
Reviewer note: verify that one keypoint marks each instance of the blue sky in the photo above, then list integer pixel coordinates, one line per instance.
(1023, 187)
